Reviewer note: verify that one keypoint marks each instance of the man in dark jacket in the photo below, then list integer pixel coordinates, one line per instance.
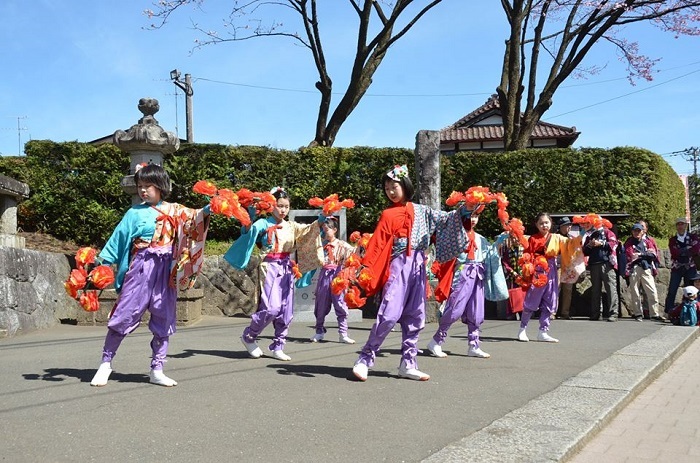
(684, 246)
(599, 245)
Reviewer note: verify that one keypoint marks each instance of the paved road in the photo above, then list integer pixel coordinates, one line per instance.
(228, 407)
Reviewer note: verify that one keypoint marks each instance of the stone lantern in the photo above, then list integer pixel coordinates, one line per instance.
(11, 193)
(146, 142)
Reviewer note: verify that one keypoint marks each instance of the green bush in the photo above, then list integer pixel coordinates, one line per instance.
(620, 180)
(76, 192)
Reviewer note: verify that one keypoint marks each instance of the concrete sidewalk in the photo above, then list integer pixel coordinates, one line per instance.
(529, 402)
(661, 424)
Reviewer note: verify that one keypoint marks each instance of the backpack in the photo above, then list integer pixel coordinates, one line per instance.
(689, 316)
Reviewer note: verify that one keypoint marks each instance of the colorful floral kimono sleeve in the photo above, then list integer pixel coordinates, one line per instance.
(188, 248)
(308, 245)
(344, 251)
(572, 258)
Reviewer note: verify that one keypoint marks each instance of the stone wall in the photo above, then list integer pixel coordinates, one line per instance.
(32, 295)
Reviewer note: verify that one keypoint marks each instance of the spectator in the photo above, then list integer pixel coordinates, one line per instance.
(642, 266)
(683, 247)
(679, 316)
(571, 268)
(599, 245)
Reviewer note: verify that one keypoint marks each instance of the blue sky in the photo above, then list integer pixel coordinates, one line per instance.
(75, 70)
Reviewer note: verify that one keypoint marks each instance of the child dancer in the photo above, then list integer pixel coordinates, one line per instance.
(396, 258)
(335, 251)
(546, 297)
(148, 248)
(462, 279)
(277, 239)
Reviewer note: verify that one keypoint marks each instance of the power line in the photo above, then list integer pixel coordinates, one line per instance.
(624, 95)
(442, 95)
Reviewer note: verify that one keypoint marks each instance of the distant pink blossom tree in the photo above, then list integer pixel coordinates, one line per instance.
(565, 32)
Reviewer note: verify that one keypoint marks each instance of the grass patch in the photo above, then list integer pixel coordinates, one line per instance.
(216, 248)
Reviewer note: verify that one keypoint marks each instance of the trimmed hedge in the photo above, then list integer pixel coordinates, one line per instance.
(76, 193)
(622, 180)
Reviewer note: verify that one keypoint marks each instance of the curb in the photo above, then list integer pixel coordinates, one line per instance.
(556, 425)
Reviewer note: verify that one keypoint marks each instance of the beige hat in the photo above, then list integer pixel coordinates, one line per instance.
(681, 220)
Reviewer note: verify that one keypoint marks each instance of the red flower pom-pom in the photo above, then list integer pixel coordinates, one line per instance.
(102, 276)
(85, 256)
(204, 187)
(354, 299)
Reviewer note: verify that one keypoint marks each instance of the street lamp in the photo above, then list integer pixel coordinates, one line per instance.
(185, 86)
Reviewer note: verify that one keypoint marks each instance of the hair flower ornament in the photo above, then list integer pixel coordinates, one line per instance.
(398, 172)
(276, 189)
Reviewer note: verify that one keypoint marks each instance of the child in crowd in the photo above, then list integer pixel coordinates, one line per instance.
(687, 313)
(395, 257)
(335, 252)
(148, 246)
(462, 283)
(545, 297)
(277, 238)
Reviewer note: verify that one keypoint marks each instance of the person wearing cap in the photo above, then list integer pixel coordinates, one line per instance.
(600, 245)
(695, 279)
(642, 266)
(683, 247)
(690, 301)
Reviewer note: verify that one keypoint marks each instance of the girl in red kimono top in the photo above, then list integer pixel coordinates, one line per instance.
(545, 297)
(396, 258)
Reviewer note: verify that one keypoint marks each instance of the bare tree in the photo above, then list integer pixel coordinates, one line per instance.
(382, 16)
(566, 31)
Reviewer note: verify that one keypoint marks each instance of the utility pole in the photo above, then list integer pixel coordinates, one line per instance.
(693, 154)
(186, 87)
(19, 135)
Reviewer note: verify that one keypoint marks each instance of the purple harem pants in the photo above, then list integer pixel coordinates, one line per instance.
(545, 298)
(403, 301)
(146, 287)
(276, 303)
(325, 299)
(466, 301)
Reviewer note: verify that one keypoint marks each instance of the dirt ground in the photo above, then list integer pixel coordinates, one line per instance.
(47, 243)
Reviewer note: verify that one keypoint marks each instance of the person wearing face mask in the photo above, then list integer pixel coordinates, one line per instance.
(683, 246)
(600, 246)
